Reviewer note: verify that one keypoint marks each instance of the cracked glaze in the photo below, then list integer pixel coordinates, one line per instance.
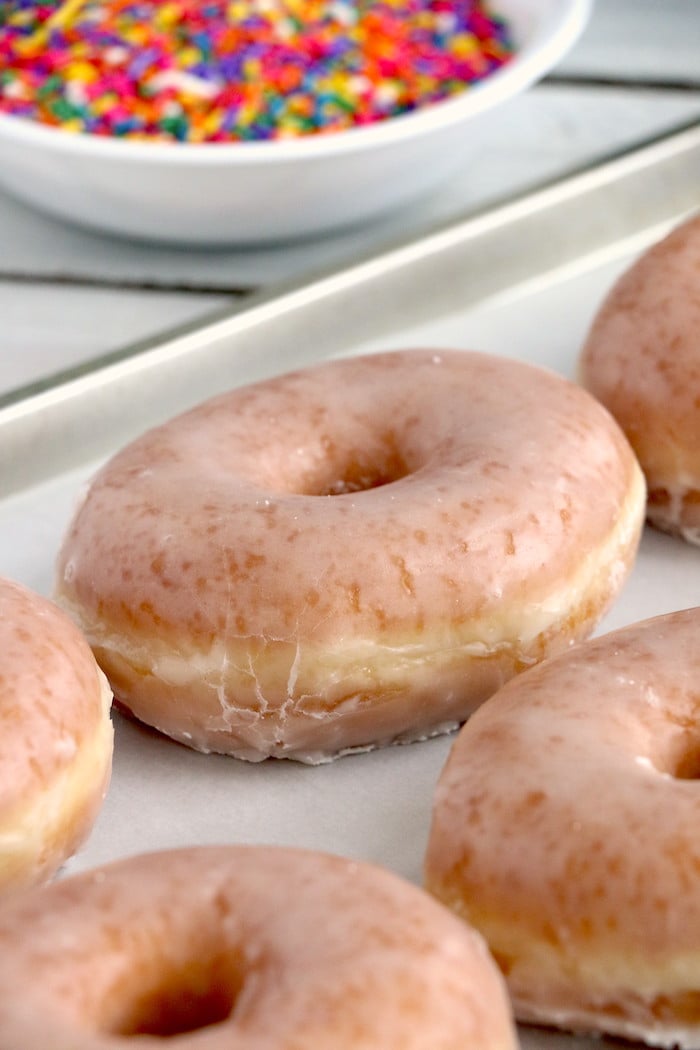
(251, 947)
(55, 737)
(352, 554)
(642, 360)
(565, 829)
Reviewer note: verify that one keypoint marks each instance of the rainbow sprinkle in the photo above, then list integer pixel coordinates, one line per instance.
(238, 70)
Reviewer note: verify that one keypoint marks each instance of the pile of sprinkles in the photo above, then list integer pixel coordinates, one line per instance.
(238, 70)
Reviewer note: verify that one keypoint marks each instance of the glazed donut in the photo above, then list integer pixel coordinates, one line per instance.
(352, 554)
(55, 737)
(565, 829)
(259, 947)
(642, 360)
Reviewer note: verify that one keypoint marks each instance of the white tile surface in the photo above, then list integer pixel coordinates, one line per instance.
(654, 39)
(50, 328)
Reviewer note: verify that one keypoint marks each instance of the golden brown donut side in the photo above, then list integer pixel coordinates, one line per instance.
(564, 829)
(353, 554)
(55, 737)
(642, 360)
(256, 947)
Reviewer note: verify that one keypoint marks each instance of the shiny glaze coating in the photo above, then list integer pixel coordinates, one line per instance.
(55, 737)
(565, 829)
(642, 360)
(244, 947)
(352, 554)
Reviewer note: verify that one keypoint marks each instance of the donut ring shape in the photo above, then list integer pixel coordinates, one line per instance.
(642, 360)
(256, 947)
(55, 737)
(352, 554)
(565, 829)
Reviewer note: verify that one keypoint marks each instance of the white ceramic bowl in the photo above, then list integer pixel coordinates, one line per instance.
(254, 192)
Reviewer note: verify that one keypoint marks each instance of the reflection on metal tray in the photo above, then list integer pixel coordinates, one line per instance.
(523, 280)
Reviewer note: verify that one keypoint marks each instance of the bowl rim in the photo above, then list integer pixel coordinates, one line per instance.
(560, 22)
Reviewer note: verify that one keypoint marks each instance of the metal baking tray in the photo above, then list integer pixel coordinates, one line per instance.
(522, 280)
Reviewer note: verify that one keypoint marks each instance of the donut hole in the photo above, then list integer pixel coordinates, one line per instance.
(686, 765)
(682, 753)
(354, 472)
(187, 1001)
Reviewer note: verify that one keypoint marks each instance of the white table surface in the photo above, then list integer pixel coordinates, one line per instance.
(68, 296)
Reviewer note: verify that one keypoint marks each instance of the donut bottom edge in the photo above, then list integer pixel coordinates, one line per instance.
(37, 838)
(587, 990)
(422, 697)
(631, 1017)
(676, 511)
